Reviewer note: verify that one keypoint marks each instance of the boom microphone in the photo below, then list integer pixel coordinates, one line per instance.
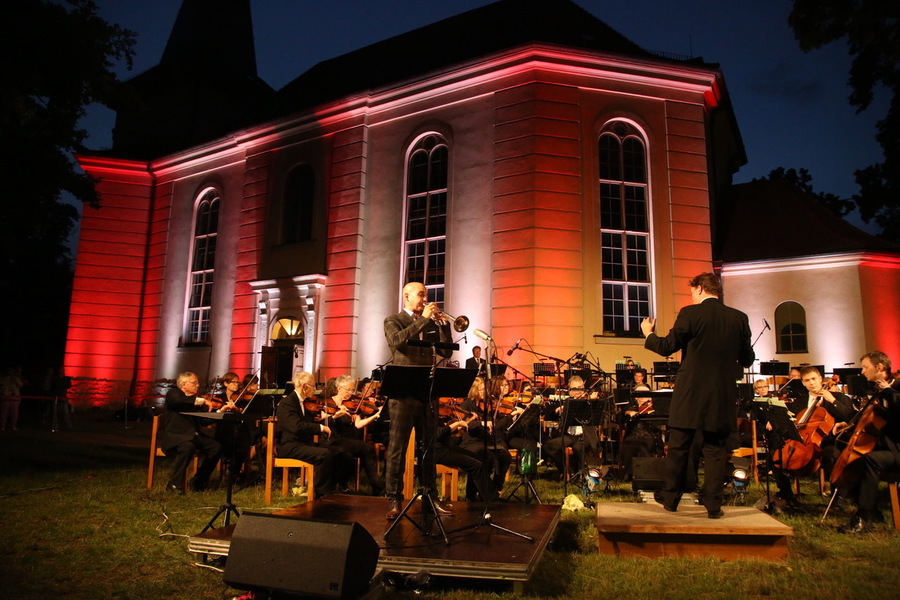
(483, 335)
(515, 347)
(767, 324)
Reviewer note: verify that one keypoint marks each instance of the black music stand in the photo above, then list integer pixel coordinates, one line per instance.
(233, 419)
(532, 413)
(425, 384)
(766, 409)
(587, 413)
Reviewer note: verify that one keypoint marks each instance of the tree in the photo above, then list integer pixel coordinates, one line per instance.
(59, 59)
(872, 30)
(802, 180)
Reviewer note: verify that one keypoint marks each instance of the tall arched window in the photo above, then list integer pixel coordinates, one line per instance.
(790, 323)
(425, 243)
(624, 228)
(299, 200)
(203, 260)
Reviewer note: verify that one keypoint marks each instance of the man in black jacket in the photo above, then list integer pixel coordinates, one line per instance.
(417, 320)
(182, 436)
(715, 343)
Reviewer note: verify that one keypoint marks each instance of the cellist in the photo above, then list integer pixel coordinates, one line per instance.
(885, 393)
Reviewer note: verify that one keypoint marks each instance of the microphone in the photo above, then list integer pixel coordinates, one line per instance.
(479, 333)
(767, 324)
(515, 347)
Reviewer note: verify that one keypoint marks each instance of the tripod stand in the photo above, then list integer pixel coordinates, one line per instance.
(528, 459)
(233, 420)
(425, 384)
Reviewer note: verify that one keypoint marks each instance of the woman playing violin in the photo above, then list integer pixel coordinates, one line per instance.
(497, 423)
(446, 452)
(346, 426)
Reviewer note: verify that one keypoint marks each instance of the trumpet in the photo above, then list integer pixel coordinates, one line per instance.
(460, 323)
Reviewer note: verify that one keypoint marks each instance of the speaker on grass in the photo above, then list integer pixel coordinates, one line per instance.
(648, 473)
(298, 556)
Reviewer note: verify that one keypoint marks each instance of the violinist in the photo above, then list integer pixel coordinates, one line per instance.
(885, 394)
(642, 438)
(297, 429)
(346, 433)
(448, 453)
(236, 440)
(479, 404)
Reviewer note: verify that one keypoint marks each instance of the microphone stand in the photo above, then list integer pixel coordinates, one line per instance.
(486, 518)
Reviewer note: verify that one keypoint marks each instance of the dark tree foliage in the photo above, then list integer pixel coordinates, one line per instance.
(57, 59)
(872, 32)
(802, 180)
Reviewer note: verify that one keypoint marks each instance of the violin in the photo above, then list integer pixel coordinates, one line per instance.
(450, 408)
(511, 402)
(364, 407)
(312, 405)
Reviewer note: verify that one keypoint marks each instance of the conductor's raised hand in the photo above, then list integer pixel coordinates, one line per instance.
(648, 326)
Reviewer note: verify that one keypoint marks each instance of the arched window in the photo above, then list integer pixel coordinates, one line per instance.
(624, 228)
(425, 243)
(203, 260)
(299, 200)
(790, 323)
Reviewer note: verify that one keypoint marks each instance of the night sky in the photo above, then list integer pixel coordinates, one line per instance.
(791, 107)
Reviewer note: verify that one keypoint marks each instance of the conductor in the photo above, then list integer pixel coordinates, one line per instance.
(714, 340)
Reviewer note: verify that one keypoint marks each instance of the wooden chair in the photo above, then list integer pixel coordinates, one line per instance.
(753, 452)
(448, 486)
(306, 469)
(156, 451)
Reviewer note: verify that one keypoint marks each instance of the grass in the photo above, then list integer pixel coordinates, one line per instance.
(77, 522)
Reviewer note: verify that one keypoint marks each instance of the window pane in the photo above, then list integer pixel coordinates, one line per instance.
(613, 307)
(418, 211)
(415, 261)
(633, 161)
(635, 208)
(612, 254)
(609, 157)
(436, 256)
(438, 176)
(437, 215)
(418, 173)
(637, 258)
(638, 306)
(610, 206)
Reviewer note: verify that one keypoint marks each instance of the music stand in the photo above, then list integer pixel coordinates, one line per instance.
(776, 413)
(532, 413)
(425, 384)
(586, 413)
(233, 419)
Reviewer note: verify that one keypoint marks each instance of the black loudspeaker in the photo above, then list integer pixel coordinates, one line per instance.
(647, 473)
(311, 558)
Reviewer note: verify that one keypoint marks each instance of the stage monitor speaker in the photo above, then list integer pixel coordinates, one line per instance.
(648, 473)
(297, 556)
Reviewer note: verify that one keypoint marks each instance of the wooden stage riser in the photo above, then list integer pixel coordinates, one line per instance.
(687, 546)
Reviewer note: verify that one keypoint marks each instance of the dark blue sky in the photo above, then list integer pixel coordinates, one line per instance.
(791, 107)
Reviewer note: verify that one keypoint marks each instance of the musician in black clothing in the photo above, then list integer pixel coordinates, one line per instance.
(296, 432)
(347, 433)
(642, 438)
(449, 453)
(885, 399)
(182, 435)
(497, 424)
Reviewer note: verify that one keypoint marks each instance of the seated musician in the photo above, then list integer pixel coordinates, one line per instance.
(347, 432)
(236, 440)
(182, 435)
(448, 452)
(838, 405)
(296, 431)
(642, 438)
(525, 430)
(476, 435)
(572, 437)
(885, 394)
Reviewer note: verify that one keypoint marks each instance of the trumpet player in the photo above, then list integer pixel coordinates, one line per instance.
(423, 320)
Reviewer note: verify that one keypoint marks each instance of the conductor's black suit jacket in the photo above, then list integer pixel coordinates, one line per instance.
(715, 342)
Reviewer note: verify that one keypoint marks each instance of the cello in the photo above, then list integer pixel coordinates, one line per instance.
(866, 430)
(803, 457)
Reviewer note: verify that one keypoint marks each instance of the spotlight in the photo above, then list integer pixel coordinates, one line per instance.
(740, 474)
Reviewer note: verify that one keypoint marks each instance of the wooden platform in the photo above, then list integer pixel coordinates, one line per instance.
(628, 529)
(483, 552)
